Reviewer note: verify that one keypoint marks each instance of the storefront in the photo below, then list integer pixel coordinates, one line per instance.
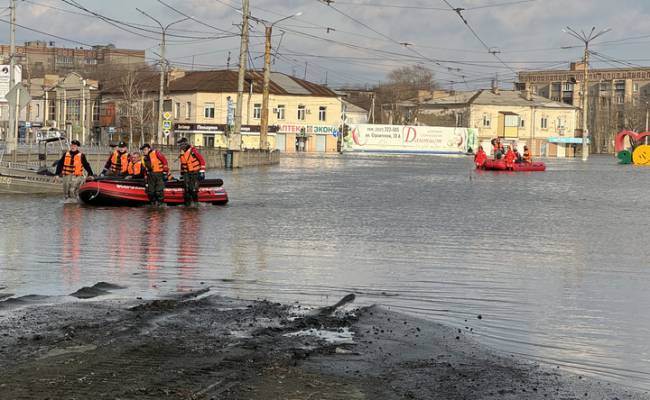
(293, 138)
(214, 135)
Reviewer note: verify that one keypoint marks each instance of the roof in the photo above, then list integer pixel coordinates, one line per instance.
(516, 98)
(501, 98)
(353, 108)
(225, 81)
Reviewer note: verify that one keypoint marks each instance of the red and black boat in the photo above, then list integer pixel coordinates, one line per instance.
(111, 191)
(500, 165)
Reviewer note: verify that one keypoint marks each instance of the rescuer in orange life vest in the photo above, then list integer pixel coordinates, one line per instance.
(192, 170)
(71, 167)
(480, 158)
(118, 162)
(156, 169)
(510, 158)
(135, 170)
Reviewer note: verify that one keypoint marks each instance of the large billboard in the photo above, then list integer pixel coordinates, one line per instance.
(410, 139)
(4, 80)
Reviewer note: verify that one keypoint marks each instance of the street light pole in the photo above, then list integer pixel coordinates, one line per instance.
(586, 39)
(234, 142)
(264, 123)
(163, 69)
(12, 130)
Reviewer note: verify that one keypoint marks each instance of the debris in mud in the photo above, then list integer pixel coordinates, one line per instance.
(202, 346)
(98, 289)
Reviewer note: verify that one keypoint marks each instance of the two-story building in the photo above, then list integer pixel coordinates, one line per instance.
(303, 116)
(547, 126)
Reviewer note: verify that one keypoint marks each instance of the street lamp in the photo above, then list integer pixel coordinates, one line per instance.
(163, 68)
(264, 124)
(586, 39)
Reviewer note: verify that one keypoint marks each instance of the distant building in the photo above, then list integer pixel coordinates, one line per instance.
(39, 58)
(303, 116)
(618, 97)
(547, 126)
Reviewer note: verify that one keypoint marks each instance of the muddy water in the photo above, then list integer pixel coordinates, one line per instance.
(556, 263)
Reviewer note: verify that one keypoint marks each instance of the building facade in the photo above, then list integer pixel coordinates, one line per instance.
(39, 58)
(303, 116)
(618, 97)
(521, 117)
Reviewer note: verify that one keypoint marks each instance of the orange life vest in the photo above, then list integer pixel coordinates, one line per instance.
(120, 162)
(189, 162)
(152, 162)
(135, 168)
(73, 165)
(527, 156)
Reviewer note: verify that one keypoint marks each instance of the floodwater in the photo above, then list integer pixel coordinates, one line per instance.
(556, 263)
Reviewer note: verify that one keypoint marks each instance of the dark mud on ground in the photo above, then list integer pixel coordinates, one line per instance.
(200, 346)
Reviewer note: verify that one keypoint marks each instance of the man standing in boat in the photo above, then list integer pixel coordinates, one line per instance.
(192, 170)
(118, 162)
(71, 167)
(155, 166)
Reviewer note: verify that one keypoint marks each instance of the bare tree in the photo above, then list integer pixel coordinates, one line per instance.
(134, 104)
(404, 83)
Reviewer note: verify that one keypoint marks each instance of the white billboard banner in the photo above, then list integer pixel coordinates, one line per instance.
(4, 79)
(410, 139)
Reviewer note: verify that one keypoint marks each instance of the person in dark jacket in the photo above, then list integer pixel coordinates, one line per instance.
(156, 168)
(71, 167)
(192, 170)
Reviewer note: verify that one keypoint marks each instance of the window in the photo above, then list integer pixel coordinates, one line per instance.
(568, 87)
(96, 111)
(64, 60)
(322, 113)
(635, 87)
(487, 120)
(177, 111)
(279, 111)
(560, 123)
(620, 100)
(257, 111)
(208, 140)
(188, 110)
(38, 111)
(544, 123)
(521, 123)
(208, 110)
(73, 110)
(301, 113)
(51, 110)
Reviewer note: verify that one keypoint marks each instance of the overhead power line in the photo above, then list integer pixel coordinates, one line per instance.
(412, 7)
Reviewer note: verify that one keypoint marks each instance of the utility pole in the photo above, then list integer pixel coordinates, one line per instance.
(586, 39)
(647, 116)
(264, 123)
(12, 131)
(163, 69)
(235, 138)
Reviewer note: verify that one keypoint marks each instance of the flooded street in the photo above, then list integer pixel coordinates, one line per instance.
(555, 263)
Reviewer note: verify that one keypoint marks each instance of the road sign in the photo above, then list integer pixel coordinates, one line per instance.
(335, 133)
(167, 125)
(18, 95)
(167, 115)
(167, 132)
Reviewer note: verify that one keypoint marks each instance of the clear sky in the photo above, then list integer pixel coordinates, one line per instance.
(365, 39)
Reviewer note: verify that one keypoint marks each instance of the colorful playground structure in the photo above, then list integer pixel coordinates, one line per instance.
(633, 151)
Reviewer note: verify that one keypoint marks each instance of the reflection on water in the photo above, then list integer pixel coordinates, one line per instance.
(555, 262)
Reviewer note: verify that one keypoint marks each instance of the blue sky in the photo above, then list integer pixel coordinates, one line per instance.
(363, 43)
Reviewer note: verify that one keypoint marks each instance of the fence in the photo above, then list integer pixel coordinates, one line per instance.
(215, 158)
